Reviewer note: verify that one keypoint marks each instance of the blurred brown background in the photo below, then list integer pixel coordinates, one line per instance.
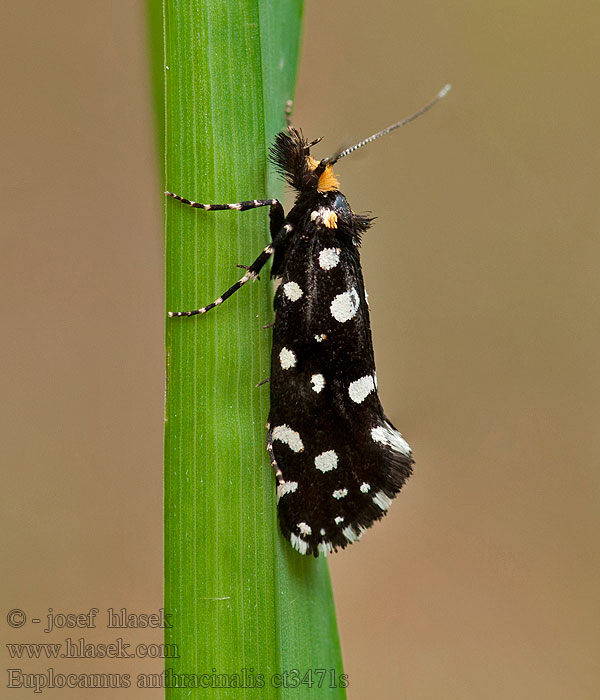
(482, 271)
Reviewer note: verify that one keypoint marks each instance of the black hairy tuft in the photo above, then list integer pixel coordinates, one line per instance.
(288, 154)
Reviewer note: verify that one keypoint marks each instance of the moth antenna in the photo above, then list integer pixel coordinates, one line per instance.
(334, 159)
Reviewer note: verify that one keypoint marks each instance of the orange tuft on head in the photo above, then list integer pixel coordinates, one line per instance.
(328, 182)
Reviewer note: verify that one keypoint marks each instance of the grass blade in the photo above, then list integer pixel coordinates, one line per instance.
(240, 597)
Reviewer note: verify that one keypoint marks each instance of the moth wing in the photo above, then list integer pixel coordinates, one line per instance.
(336, 487)
(340, 459)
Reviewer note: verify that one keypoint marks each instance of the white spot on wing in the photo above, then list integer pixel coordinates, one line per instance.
(322, 530)
(386, 435)
(383, 501)
(298, 544)
(286, 487)
(287, 358)
(361, 388)
(340, 493)
(290, 437)
(304, 528)
(320, 337)
(326, 461)
(344, 306)
(318, 382)
(364, 487)
(329, 258)
(292, 291)
(338, 520)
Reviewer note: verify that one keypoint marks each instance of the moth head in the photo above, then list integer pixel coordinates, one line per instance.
(291, 156)
(323, 175)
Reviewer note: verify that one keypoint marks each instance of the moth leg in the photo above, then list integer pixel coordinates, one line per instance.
(276, 213)
(283, 487)
(251, 273)
(288, 112)
(276, 469)
(264, 381)
(245, 267)
(237, 206)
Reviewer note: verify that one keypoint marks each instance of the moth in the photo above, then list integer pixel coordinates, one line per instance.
(338, 460)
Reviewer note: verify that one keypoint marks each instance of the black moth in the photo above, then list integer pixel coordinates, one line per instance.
(338, 460)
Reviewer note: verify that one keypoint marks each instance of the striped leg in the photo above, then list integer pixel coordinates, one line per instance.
(237, 206)
(283, 486)
(288, 112)
(251, 273)
(276, 469)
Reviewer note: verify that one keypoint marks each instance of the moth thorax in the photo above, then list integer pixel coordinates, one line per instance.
(325, 217)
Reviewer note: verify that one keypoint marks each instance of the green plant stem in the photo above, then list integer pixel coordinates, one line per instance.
(240, 597)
